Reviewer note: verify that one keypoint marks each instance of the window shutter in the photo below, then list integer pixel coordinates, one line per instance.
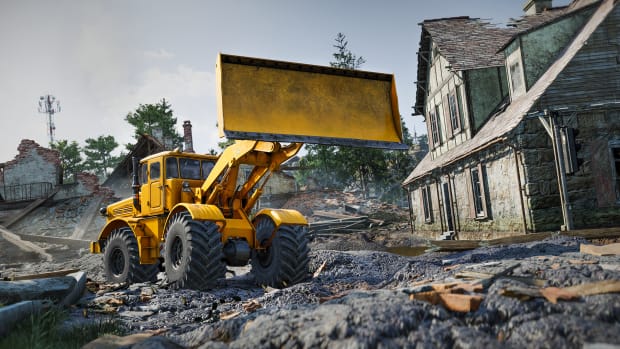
(483, 190)
(446, 116)
(470, 194)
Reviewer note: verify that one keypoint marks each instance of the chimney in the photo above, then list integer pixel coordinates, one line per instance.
(533, 7)
(188, 140)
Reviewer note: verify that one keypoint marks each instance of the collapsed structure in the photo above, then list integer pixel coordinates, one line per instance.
(523, 122)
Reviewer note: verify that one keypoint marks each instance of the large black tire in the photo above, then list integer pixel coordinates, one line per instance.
(121, 259)
(193, 256)
(285, 262)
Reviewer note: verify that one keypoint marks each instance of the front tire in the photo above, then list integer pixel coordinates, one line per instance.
(121, 259)
(285, 262)
(193, 255)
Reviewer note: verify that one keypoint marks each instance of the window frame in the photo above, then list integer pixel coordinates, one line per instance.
(434, 127)
(455, 117)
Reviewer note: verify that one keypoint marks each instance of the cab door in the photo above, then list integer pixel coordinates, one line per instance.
(155, 186)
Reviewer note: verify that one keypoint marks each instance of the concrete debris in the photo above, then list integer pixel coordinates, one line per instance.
(10, 315)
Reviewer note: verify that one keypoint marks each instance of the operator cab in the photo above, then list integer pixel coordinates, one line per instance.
(168, 178)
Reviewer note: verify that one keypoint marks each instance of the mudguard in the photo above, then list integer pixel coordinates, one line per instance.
(282, 216)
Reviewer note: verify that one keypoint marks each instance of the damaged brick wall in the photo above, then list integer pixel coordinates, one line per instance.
(86, 184)
(34, 163)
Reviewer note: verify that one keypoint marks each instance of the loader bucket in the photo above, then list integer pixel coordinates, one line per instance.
(261, 99)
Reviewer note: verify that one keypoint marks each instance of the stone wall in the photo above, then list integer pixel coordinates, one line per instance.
(591, 190)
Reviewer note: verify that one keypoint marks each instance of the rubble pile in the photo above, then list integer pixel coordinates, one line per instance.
(367, 224)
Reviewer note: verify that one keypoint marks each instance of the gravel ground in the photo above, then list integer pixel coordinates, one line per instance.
(361, 300)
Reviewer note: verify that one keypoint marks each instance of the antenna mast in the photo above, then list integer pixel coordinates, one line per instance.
(50, 106)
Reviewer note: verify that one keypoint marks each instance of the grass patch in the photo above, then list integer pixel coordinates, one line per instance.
(46, 331)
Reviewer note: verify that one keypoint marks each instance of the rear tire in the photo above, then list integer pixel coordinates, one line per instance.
(285, 262)
(121, 259)
(193, 256)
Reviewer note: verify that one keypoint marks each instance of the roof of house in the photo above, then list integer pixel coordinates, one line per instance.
(529, 23)
(145, 146)
(466, 43)
(502, 123)
(470, 43)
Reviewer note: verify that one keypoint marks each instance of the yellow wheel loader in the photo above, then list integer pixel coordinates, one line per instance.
(192, 214)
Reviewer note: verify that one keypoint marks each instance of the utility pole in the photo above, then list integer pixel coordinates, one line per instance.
(49, 105)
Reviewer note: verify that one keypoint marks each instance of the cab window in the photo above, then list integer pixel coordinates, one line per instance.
(207, 166)
(155, 171)
(172, 168)
(143, 173)
(190, 168)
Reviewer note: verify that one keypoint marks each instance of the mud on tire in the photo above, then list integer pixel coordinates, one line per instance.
(285, 262)
(192, 254)
(121, 259)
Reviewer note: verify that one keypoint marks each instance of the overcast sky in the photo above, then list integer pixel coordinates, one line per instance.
(102, 58)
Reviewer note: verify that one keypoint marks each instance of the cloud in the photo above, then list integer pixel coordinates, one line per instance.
(181, 81)
(161, 54)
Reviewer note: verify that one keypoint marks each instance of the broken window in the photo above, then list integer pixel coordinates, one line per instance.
(478, 192)
(615, 158)
(427, 208)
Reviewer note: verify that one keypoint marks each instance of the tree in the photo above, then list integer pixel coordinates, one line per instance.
(98, 155)
(344, 58)
(70, 159)
(372, 170)
(155, 119)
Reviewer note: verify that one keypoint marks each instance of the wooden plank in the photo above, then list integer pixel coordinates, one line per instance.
(461, 303)
(44, 275)
(604, 250)
(455, 245)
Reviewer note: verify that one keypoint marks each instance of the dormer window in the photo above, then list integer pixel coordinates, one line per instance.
(515, 74)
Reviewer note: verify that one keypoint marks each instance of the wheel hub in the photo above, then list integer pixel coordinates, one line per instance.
(176, 253)
(118, 262)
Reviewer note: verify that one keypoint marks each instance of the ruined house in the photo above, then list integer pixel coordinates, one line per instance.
(523, 123)
(32, 174)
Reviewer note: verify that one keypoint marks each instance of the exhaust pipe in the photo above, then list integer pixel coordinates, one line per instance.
(135, 183)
